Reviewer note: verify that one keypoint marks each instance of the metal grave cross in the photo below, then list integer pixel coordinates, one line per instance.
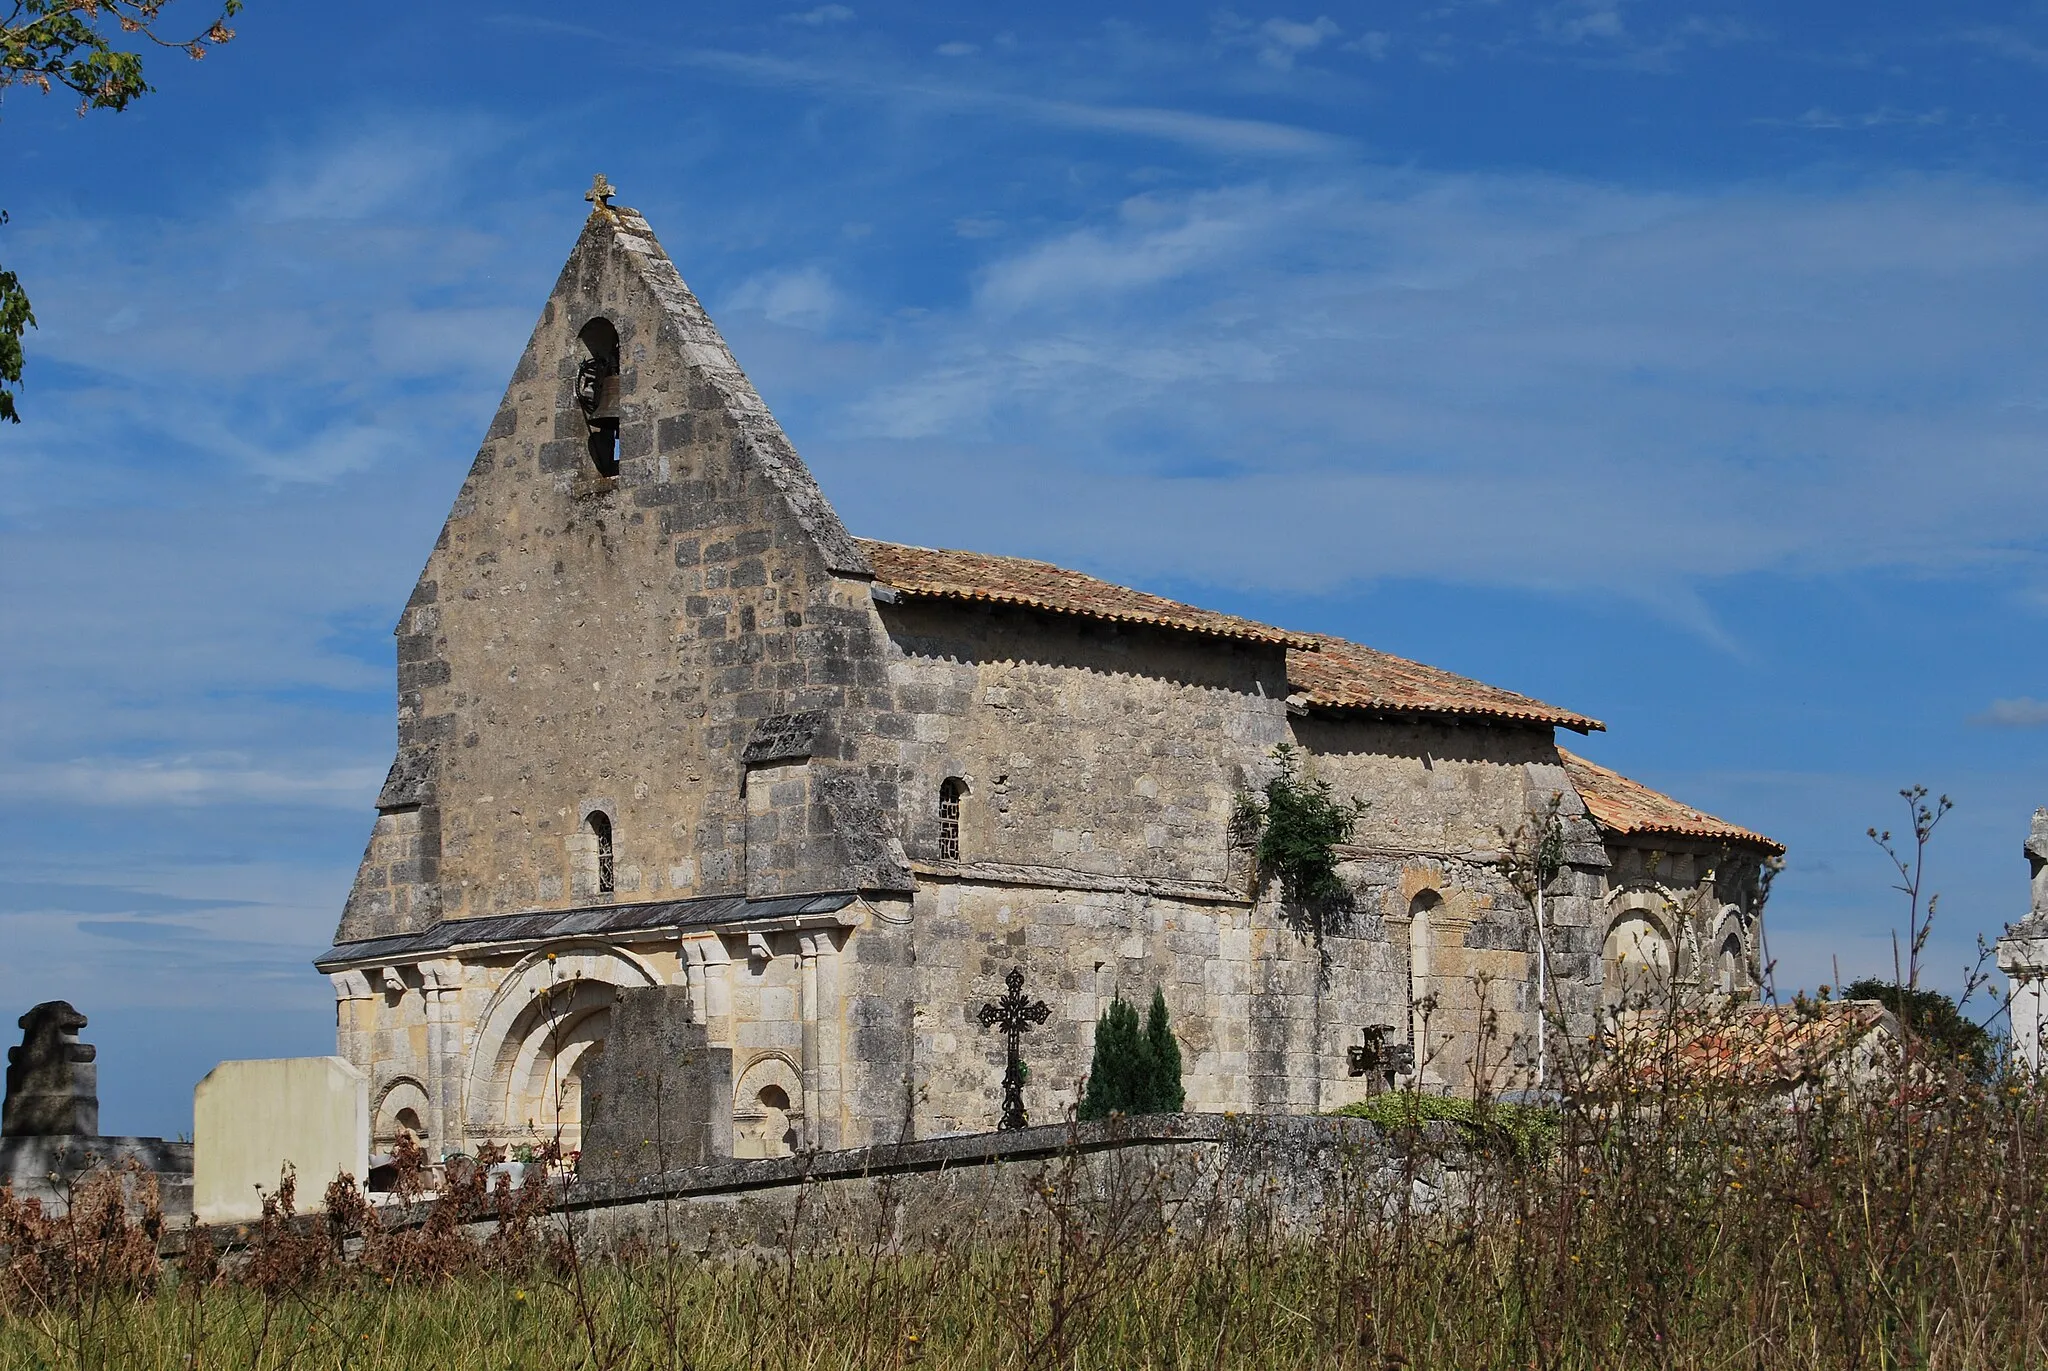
(600, 193)
(1015, 1017)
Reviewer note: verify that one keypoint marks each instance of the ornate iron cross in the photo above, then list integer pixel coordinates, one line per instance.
(1015, 1017)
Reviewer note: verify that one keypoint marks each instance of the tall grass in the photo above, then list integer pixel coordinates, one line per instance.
(1898, 1225)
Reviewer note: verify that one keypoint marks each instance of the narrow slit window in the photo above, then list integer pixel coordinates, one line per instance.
(949, 818)
(601, 829)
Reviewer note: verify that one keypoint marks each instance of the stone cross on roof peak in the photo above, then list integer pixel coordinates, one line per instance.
(600, 193)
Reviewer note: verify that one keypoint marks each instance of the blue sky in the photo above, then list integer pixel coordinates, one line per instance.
(1684, 365)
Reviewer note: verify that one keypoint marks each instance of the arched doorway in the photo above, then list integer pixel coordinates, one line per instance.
(541, 1031)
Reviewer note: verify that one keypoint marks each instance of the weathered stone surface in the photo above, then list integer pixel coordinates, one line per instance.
(691, 648)
(52, 1083)
(47, 1168)
(659, 1095)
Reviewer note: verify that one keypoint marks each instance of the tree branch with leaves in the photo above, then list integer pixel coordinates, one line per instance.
(78, 44)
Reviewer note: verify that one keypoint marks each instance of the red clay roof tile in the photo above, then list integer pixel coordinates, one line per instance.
(1323, 672)
(945, 574)
(1627, 807)
(1767, 1046)
(1341, 675)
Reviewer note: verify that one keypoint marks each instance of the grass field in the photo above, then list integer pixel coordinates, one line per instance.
(1902, 1228)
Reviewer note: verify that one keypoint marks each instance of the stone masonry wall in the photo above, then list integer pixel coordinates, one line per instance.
(581, 641)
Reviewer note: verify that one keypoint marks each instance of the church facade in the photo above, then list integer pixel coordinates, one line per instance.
(662, 720)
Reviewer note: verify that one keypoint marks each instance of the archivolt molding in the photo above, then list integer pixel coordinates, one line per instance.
(765, 1069)
(400, 1092)
(537, 1000)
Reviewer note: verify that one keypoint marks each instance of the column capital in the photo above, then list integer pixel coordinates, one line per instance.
(351, 985)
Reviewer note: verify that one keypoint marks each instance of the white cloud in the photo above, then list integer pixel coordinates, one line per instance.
(1208, 132)
(1281, 41)
(801, 298)
(1491, 379)
(957, 49)
(821, 16)
(2020, 712)
(190, 781)
(1882, 117)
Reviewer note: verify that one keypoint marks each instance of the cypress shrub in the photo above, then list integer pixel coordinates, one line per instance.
(1135, 1070)
(1167, 1094)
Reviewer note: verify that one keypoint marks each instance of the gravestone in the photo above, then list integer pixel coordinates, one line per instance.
(253, 1119)
(52, 1084)
(658, 1096)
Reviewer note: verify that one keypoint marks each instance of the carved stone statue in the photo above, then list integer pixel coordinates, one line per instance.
(52, 1084)
(2023, 957)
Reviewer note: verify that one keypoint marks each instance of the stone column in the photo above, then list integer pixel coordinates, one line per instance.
(807, 1013)
(824, 1038)
(690, 953)
(354, 1016)
(717, 974)
(441, 988)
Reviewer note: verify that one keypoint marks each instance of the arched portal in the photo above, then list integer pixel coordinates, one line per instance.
(536, 1039)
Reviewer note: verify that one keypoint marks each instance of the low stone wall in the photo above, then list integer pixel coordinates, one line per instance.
(1190, 1173)
(46, 1168)
(1187, 1172)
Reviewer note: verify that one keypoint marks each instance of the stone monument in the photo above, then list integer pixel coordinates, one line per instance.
(252, 1120)
(52, 1084)
(2023, 954)
(659, 1095)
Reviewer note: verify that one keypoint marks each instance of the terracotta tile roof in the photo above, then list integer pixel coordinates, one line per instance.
(1627, 807)
(942, 574)
(1323, 672)
(1341, 675)
(1759, 1046)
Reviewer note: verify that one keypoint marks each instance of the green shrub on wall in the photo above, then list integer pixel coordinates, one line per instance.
(1300, 823)
(1135, 1070)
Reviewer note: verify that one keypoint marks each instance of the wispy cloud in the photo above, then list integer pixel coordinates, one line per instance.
(2003, 41)
(1208, 132)
(1308, 384)
(1882, 117)
(820, 16)
(803, 297)
(190, 781)
(2021, 711)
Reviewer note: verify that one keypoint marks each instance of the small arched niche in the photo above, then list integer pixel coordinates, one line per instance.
(1732, 974)
(597, 393)
(767, 1110)
(1635, 963)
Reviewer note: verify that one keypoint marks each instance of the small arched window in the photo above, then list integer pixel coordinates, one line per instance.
(597, 393)
(951, 790)
(601, 829)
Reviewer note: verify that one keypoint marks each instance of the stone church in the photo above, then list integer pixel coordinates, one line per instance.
(663, 720)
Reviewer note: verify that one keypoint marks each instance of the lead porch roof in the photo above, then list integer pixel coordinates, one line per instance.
(606, 920)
